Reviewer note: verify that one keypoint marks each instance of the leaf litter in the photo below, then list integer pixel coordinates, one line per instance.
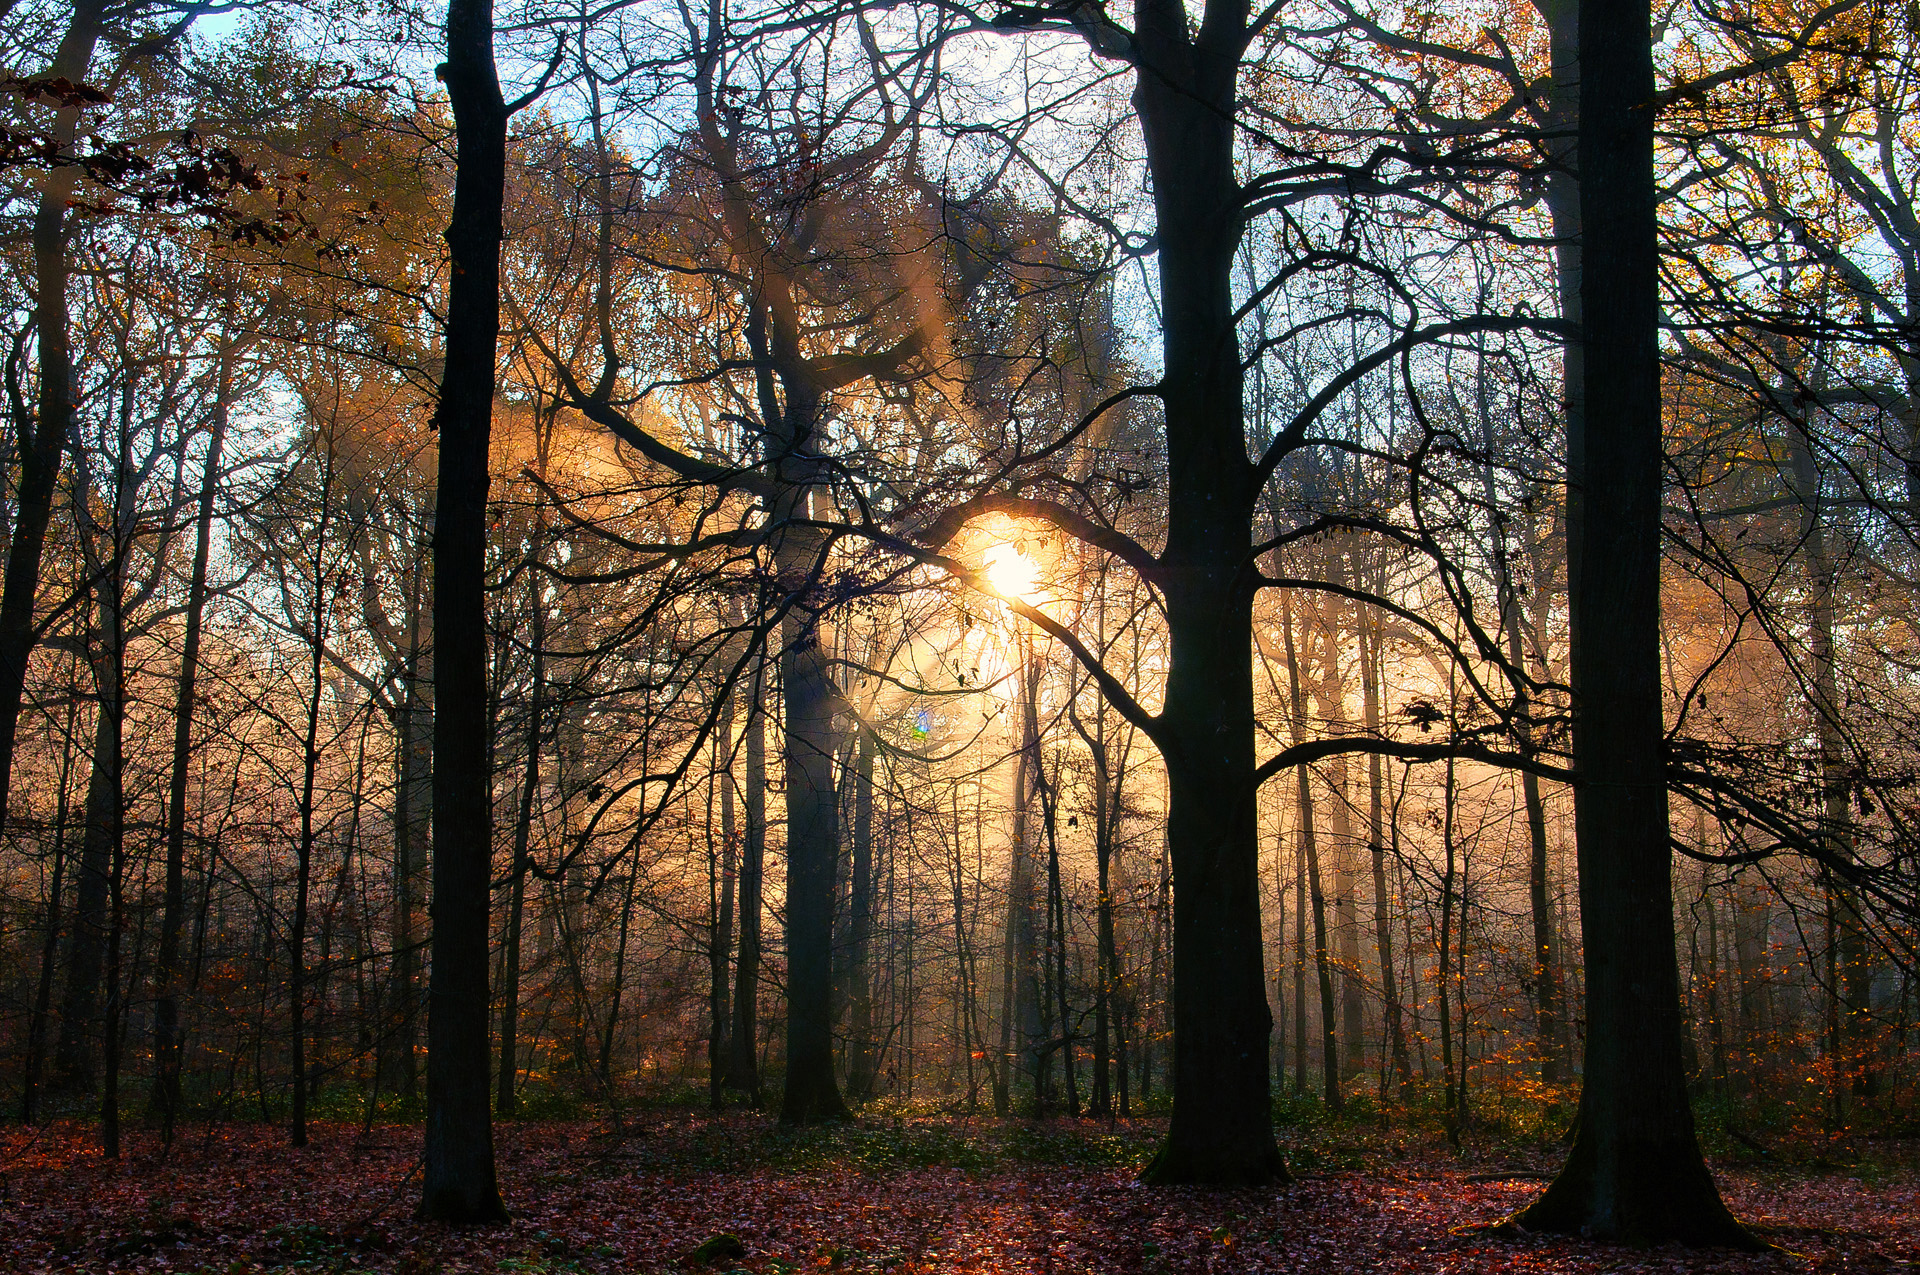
(736, 1195)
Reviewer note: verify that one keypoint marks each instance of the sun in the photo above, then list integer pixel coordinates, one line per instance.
(1011, 573)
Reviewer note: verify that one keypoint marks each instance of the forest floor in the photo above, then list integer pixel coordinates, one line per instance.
(883, 1195)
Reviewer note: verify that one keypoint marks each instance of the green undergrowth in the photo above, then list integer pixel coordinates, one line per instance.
(878, 1145)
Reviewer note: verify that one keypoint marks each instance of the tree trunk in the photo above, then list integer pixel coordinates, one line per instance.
(1635, 1173)
(1222, 1126)
(459, 1183)
(167, 1032)
(860, 927)
(1372, 643)
(76, 1054)
(37, 1023)
(397, 1066)
(813, 836)
(506, 1098)
(40, 455)
(1310, 864)
(720, 935)
(743, 1066)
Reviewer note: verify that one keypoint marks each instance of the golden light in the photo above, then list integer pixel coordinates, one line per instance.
(1011, 573)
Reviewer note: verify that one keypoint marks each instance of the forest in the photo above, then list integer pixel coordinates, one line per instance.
(933, 635)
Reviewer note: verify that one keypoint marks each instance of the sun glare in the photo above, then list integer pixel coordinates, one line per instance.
(1011, 573)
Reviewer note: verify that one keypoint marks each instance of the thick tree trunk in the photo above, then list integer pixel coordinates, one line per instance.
(1635, 1172)
(813, 841)
(1222, 1129)
(459, 1182)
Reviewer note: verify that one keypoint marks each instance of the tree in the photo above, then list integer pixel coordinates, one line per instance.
(1635, 1172)
(458, 1184)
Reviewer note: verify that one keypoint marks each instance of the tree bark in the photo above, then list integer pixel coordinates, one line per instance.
(459, 1182)
(40, 455)
(167, 1032)
(1222, 1126)
(720, 934)
(1372, 641)
(743, 1064)
(813, 835)
(860, 1062)
(506, 1097)
(1635, 1173)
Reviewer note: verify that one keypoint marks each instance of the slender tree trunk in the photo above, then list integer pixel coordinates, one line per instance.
(459, 1183)
(720, 937)
(412, 843)
(310, 769)
(506, 1097)
(1310, 858)
(40, 454)
(1372, 656)
(743, 1069)
(1057, 911)
(168, 1035)
(1448, 878)
(76, 1056)
(50, 945)
(860, 1059)
(1635, 1172)
(1304, 821)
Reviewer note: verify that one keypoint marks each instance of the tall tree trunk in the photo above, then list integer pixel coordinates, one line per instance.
(1563, 207)
(813, 832)
(860, 1060)
(1057, 926)
(40, 455)
(1018, 1010)
(76, 1055)
(1304, 822)
(506, 1096)
(168, 1035)
(720, 935)
(1635, 1172)
(42, 1013)
(743, 1066)
(1222, 1126)
(1850, 984)
(310, 769)
(459, 1183)
(1448, 877)
(398, 1065)
(1310, 860)
(1372, 653)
